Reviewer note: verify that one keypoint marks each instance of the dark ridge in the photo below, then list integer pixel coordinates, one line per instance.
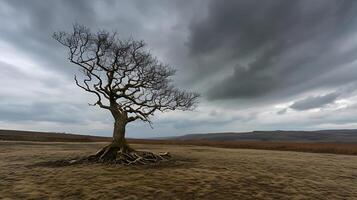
(17, 135)
(297, 136)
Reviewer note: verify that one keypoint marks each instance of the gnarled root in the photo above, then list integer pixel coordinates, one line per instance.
(141, 158)
(113, 154)
(127, 156)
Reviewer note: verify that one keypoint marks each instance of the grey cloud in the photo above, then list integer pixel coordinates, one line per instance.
(217, 120)
(314, 102)
(43, 111)
(185, 124)
(341, 117)
(281, 112)
(275, 47)
(33, 22)
(243, 83)
(8, 70)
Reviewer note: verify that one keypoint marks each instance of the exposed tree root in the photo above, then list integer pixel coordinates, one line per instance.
(112, 154)
(125, 156)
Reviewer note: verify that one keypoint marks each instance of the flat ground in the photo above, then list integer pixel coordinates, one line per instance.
(198, 172)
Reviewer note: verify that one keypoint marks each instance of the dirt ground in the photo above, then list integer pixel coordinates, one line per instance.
(197, 172)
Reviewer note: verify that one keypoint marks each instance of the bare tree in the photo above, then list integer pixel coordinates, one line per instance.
(127, 81)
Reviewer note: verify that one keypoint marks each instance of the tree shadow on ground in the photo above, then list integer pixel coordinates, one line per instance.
(174, 162)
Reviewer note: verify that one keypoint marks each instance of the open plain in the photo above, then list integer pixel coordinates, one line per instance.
(196, 172)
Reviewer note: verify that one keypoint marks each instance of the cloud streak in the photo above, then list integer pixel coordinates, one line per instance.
(314, 102)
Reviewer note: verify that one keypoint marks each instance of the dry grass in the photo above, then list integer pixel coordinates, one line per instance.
(313, 147)
(316, 147)
(197, 173)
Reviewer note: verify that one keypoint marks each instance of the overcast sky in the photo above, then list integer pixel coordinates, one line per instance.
(259, 65)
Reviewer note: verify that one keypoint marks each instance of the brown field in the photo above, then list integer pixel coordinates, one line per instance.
(196, 172)
(313, 147)
(348, 148)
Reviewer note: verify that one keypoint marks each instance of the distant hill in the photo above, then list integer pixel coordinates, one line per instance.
(296, 136)
(16, 135)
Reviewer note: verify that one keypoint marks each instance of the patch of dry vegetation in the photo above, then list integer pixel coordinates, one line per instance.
(313, 147)
(196, 173)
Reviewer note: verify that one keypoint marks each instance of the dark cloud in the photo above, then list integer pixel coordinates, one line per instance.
(314, 102)
(29, 25)
(273, 47)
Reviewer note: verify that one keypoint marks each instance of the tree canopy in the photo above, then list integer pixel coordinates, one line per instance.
(126, 78)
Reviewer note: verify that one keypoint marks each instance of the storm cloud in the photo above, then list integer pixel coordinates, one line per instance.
(274, 47)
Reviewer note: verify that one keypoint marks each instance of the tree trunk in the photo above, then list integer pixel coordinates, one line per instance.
(119, 143)
(119, 135)
(120, 121)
